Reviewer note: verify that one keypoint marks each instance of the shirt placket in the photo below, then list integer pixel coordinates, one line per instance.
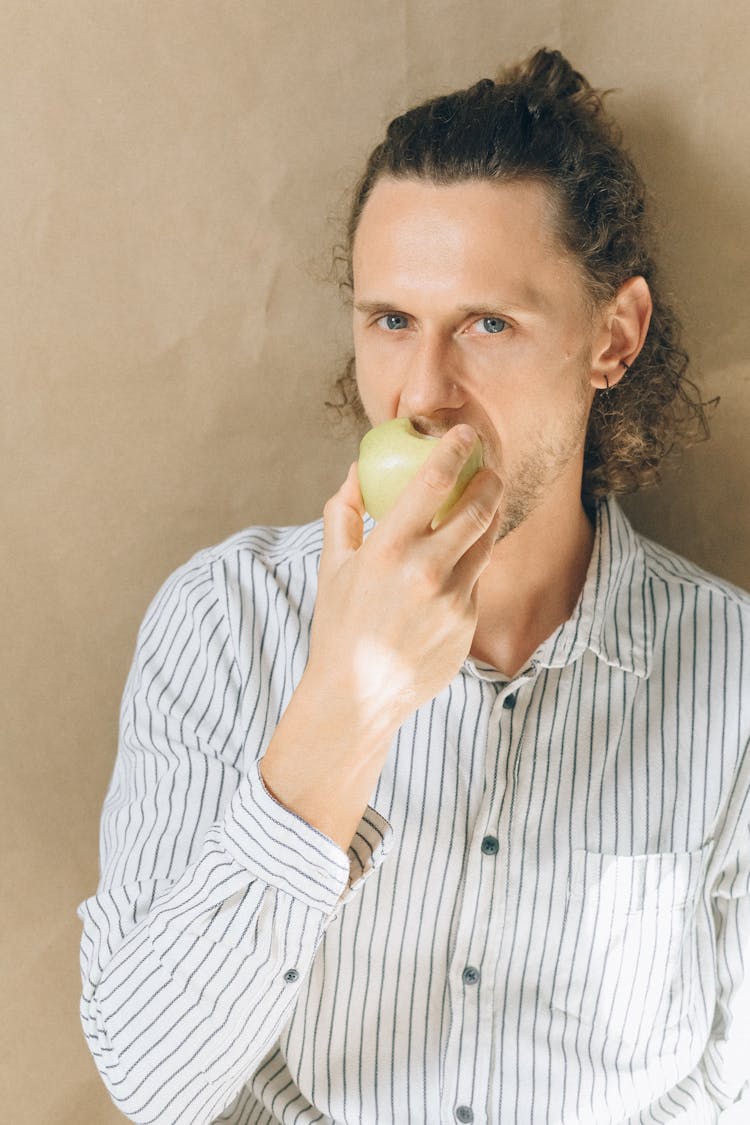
(473, 1004)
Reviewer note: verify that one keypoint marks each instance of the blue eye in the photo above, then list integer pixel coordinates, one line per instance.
(394, 321)
(493, 324)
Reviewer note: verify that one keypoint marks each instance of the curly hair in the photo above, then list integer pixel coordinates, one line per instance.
(542, 121)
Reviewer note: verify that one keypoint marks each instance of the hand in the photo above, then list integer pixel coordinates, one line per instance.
(395, 616)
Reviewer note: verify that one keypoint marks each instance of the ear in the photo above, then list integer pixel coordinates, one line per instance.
(624, 324)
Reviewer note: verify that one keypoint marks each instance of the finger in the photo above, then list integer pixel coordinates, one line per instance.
(343, 522)
(471, 515)
(431, 486)
(470, 568)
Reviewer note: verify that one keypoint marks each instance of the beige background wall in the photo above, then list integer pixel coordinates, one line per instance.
(168, 173)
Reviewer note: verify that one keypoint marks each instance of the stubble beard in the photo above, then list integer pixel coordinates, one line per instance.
(529, 482)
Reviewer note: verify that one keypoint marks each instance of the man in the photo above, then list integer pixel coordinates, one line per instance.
(415, 825)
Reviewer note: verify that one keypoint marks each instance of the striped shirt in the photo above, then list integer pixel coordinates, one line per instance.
(544, 916)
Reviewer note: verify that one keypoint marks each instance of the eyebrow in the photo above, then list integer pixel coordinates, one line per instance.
(482, 308)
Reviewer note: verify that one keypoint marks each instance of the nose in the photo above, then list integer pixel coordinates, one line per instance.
(431, 385)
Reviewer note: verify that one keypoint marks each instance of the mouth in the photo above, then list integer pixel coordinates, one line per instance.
(433, 431)
(426, 431)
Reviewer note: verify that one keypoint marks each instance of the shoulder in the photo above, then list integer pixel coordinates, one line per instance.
(245, 560)
(270, 547)
(670, 570)
(267, 547)
(696, 608)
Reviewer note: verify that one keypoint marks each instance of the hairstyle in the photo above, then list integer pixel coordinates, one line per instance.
(542, 121)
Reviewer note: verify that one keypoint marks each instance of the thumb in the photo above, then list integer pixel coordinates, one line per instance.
(343, 522)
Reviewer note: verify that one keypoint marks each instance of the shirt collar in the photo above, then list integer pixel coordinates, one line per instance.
(612, 617)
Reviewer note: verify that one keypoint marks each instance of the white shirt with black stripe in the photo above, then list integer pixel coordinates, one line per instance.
(544, 916)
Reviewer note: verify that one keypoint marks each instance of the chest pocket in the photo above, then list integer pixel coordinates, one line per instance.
(627, 964)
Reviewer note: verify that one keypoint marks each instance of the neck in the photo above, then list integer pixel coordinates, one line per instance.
(532, 583)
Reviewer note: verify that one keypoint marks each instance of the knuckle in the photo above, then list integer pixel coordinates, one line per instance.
(426, 576)
(333, 502)
(387, 550)
(460, 440)
(479, 513)
(455, 600)
(437, 477)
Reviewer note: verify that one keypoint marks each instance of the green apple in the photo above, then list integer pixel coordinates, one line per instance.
(389, 457)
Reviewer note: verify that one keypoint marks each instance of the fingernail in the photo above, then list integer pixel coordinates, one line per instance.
(465, 435)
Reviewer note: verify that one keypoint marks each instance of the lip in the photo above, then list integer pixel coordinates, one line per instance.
(423, 429)
(427, 431)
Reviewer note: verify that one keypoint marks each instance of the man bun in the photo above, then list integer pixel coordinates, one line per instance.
(546, 76)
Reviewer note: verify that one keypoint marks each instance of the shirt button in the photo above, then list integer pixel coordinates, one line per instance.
(471, 975)
(291, 976)
(490, 845)
(464, 1113)
(510, 701)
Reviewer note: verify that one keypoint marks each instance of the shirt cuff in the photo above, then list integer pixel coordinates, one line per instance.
(371, 843)
(286, 852)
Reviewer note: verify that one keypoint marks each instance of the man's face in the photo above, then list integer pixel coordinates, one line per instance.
(467, 309)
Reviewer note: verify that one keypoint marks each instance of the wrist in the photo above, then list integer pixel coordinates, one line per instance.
(354, 709)
(324, 759)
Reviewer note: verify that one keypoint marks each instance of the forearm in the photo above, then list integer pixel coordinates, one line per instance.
(326, 755)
